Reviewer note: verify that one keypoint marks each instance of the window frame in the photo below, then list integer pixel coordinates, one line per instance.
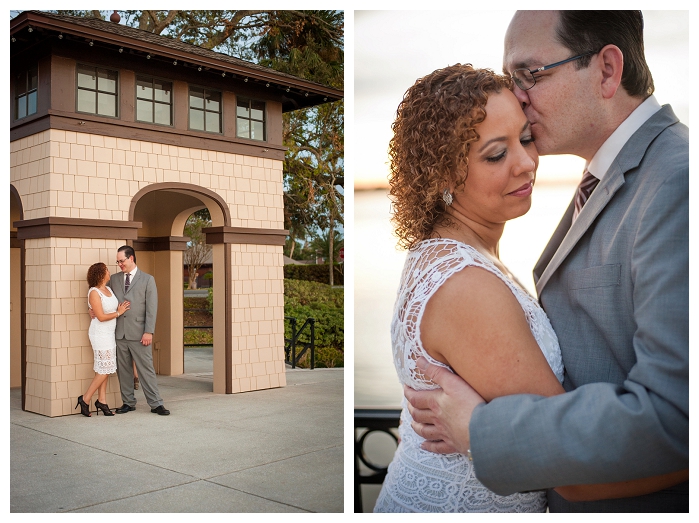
(154, 101)
(204, 90)
(96, 91)
(250, 119)
(26, 93)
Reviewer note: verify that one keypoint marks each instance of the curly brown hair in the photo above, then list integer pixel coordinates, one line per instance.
(432, 135)
(96, 273)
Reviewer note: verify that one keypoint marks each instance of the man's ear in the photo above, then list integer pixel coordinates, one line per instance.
(611, 63)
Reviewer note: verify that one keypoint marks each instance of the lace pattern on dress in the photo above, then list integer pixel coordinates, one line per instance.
(101, 334)
(420, 481)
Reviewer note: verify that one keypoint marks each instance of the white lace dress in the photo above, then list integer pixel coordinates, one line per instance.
(101, 335)
(421, 481)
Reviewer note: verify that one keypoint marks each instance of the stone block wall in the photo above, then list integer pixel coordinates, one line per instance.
(79, 175)
(59, 354)
(257, 274)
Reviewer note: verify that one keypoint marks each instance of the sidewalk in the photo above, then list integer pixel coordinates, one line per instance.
(278, 450)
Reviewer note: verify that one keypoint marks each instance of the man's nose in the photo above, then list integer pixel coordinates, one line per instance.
(521, 95)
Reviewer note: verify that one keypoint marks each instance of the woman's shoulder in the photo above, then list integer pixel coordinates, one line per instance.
(443, 257)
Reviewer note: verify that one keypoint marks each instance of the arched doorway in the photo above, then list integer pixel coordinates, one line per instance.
(163, 210)
(17, 328)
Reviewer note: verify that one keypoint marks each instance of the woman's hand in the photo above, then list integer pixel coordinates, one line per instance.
(123, 307)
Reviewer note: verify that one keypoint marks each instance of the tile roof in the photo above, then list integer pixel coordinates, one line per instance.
(116, 34)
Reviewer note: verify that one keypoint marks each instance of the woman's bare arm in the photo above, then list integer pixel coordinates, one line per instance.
(474, 324)
(96, 305)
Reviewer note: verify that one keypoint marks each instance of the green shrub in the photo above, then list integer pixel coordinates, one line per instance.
(306, 299)
(303, 300)
(317, 273)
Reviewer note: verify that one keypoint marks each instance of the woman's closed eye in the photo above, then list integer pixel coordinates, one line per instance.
(526, 140)
(496, 157)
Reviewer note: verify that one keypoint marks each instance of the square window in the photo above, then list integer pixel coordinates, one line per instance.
(250, 122)
(26, 95)
(153, 100)
(97, 91)
(204, 110)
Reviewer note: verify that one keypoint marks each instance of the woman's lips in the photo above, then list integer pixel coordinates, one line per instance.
(525, 190)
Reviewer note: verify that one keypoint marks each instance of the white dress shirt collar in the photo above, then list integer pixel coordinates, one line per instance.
(605, 155)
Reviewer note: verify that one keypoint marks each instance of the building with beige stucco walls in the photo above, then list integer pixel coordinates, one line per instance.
(116, 137)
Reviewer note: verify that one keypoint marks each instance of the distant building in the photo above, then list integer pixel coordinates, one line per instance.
(116, 136)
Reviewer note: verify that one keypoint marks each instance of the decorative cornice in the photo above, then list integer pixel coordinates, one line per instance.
(59, 227)
(245, 235)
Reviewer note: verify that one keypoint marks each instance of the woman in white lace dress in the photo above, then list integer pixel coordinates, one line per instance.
(463, 163)
(107, 309)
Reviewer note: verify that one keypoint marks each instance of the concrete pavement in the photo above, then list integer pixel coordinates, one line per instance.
(277, 450)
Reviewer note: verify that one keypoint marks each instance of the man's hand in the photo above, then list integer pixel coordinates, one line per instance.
(147, 338)
(92, 314)
(442, 416)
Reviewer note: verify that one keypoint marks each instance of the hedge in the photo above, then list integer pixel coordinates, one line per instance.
(317, 273)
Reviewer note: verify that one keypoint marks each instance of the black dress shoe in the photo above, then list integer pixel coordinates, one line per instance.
(124, 409)
(160, 410)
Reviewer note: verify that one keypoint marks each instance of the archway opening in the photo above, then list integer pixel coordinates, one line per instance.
(161, 243)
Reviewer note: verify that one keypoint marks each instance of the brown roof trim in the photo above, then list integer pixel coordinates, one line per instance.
(59, 227)
(91, 124)
(245, 235)
(146, 42)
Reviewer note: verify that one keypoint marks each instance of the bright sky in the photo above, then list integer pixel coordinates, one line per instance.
(394, 48)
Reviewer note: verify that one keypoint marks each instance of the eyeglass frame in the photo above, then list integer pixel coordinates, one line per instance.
(545, 68)
(122, 262)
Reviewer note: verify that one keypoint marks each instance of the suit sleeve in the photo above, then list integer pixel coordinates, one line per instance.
(602, 432)
(151, 305)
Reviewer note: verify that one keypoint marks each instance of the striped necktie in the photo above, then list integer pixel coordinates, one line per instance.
(587, 185)
(127, 283)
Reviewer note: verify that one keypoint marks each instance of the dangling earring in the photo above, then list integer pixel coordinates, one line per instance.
(447, 197)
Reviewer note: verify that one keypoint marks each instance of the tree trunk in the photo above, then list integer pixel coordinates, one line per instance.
(331, 239)
(292, 247)
(193, 278)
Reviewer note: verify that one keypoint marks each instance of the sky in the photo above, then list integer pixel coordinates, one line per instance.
(394, 48)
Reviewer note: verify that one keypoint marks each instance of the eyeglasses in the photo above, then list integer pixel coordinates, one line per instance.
(122, 262)
(525, 79)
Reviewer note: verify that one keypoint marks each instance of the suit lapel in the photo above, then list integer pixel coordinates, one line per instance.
(593, 207)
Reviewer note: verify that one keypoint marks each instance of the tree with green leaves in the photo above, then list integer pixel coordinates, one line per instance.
(305, 43)
(197, 251)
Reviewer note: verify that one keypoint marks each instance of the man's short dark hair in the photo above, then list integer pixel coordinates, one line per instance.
(128, 251)
(585, 31)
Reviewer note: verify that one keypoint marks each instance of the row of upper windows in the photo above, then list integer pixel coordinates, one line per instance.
(97, 93)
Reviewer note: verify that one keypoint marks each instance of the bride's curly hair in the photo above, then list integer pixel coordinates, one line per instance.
(432, 135)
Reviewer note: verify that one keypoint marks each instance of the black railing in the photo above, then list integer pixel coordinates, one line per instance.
(291, 344)
(366, 422)
(202, 327)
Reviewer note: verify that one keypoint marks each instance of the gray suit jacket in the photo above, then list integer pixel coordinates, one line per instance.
(143, 297)
(615, 286)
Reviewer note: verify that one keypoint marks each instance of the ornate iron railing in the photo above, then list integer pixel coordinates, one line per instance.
(291, 344)
(366, 422)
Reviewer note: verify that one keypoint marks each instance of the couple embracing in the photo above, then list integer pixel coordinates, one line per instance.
(123, 308)
(578, 400)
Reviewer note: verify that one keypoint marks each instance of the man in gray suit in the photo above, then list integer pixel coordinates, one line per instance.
(134, 332)
(613, 280)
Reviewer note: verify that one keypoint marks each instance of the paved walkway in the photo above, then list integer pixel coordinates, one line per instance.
(278, 450)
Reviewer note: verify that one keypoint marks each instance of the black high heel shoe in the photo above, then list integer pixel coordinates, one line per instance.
(103, 407)
(84, 407)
